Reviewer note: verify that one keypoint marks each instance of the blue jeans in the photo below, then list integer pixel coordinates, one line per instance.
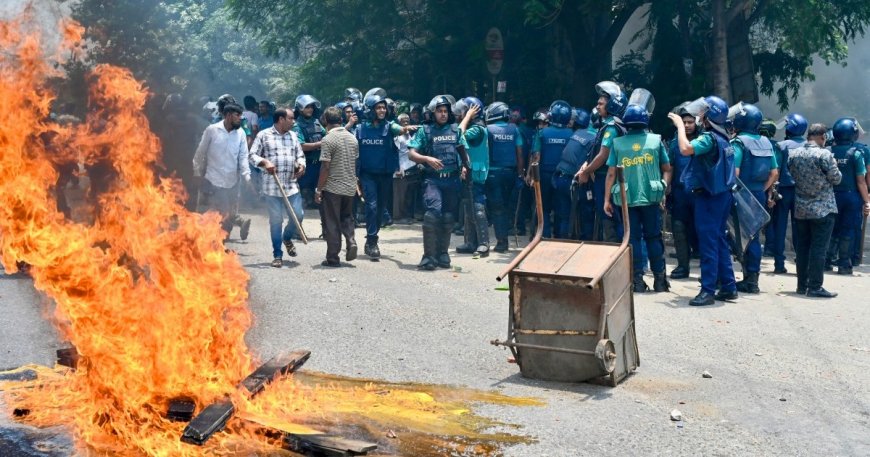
(377, 189)
(711, 218)
(645, 224)
(277, 213)
(783, 213)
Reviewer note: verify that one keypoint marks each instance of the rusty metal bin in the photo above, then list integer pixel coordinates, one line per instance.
(571, 314)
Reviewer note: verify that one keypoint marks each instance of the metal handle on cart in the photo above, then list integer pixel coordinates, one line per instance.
(535, 174)
(626, 231)
(604, 351)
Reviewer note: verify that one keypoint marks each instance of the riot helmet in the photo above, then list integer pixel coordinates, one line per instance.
(539, 119)
(644, 98)
(636, 117)
(581, 118)
(795, 125)
(498, 111)
(767, 128)
(559, 113)
(372, 98)
(303, 101)
(746, 117)
(352, 94)
(616, 98)
(463, 105)
(845, 130)
(442, 100)
(402, 107)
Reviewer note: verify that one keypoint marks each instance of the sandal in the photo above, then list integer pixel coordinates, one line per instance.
(291, 249)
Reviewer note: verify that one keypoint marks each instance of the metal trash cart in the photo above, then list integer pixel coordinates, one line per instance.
(571, 315)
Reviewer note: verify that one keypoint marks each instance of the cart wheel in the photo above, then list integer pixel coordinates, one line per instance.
(605, 352)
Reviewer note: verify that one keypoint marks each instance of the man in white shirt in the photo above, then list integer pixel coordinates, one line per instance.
(222, 160)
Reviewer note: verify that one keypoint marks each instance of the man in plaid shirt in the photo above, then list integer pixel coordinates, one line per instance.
(277, 150)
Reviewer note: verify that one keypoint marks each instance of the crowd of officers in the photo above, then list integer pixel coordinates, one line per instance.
(466, 166)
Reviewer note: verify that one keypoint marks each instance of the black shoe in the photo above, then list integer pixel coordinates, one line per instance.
(427, 263)
(749, 284)
(351, 252)
(821, 293)
(660, 282)
(482, 251)
(245, 229)
(443, 260)
(640, 286)
(680, 273)
(801, 290)
(465, 248)
(723, 295)
(829, 267)
(779, 270)
(501, 246)
(702, 299)
(291, 249)
(327, 263)
(372, 250)
(844, 271)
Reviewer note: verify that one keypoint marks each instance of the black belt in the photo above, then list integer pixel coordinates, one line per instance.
(441, 174)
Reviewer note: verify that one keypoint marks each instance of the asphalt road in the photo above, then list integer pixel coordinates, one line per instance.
(791, 375)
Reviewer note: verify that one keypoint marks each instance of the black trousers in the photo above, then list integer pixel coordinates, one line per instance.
(336, 215)
(813, 236)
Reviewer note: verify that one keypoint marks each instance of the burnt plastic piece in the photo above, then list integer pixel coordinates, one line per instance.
(276, 366)
(210, 421)
(181, 409)
(68, 357)
(20, 412)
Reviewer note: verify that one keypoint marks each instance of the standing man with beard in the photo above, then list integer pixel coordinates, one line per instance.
(221, 162)
(437, 147)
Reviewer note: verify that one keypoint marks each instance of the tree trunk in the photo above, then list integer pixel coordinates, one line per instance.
(720, 76)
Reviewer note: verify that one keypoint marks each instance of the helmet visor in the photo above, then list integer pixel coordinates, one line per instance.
(735, 110)
(608, 88)
(644, 98)
(697, 107)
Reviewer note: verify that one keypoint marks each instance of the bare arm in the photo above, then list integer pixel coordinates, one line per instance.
(608, 184)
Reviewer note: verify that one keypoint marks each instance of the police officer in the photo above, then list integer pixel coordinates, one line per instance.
(575, 203)
(547, 151)
(378, 160)
(755, 164)
(612, 102)
(710, 176)
(310, 132)
(646, 172)
(475, 139)
(682, 200)
(768, 129)
(795, 129)
(850, 193)
(506, 168)
(437, 147)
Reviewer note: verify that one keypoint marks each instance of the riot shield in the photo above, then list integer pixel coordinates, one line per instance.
(748, 217)
(644, 98)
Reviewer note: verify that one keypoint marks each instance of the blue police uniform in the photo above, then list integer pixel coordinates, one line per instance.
(851, 163)
(576, 153)
(755, 158)
(681, 205)
(784, 209)
(710, 176)
(310, 131)
(441, 190)
(549, 143)
(378, 160)
(503, 177)
(525, 196)
(608, 228)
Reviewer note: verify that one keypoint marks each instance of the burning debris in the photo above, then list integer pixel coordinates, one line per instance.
(128, 280)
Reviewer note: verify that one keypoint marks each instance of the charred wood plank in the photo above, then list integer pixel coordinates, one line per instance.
(327, 445)
(214, 417)
(276, 366)
(181, 409)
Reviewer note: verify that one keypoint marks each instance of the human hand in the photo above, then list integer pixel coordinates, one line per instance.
(434, 163)
(676, 119)
(300, 171)
(608, 208)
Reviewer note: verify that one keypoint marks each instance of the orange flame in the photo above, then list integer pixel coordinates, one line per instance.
(148, 296)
